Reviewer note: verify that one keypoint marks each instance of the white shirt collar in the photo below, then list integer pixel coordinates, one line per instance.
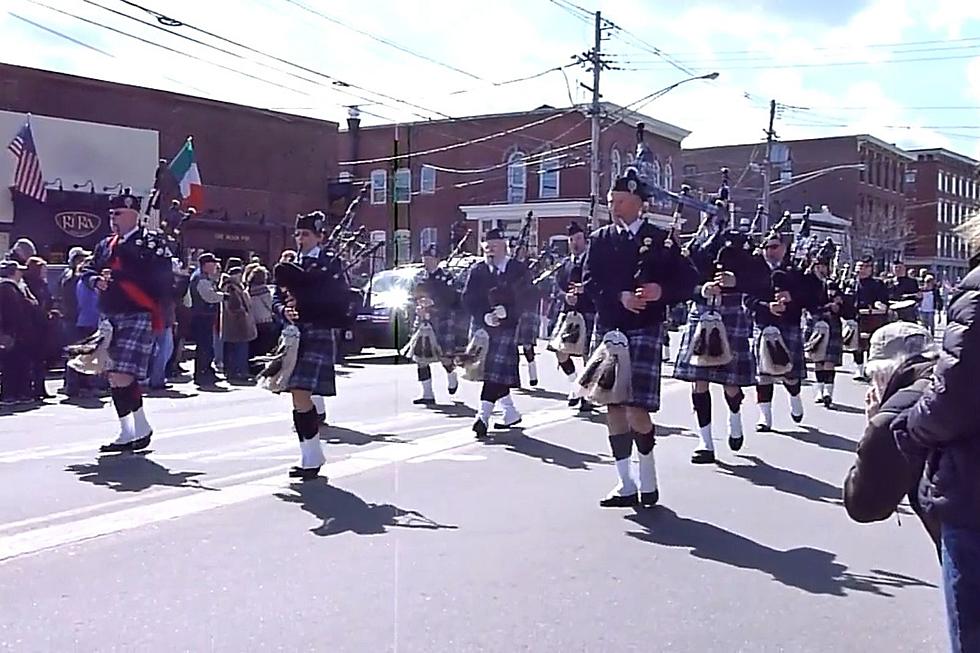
(634, 227)
(500, 267)
(129, 233)
(313, 253)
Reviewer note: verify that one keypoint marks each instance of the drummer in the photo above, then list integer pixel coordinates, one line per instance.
(871, 302)
(904, 293)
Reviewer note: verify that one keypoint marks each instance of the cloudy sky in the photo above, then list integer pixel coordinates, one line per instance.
(907, 71)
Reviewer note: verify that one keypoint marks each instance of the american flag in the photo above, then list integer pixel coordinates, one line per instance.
(27, 177)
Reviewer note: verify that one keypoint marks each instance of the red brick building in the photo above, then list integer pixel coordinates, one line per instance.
(818, 172)
(943, 190)
(427, 186)
(259, 167)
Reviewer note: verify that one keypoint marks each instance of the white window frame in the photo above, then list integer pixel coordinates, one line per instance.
(668, 176)
(403, 182)
(547, 168)
(379, 186)
(428, 236)
(517, 178)
(656, 174)
(427, 180)
(615, 165)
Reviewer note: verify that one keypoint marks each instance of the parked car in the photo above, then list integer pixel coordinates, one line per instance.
(387, 320)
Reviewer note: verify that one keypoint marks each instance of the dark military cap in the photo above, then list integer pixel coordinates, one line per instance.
(574, 228)
(315, 222)
(493, 234)
(125, 200)
(631, 182)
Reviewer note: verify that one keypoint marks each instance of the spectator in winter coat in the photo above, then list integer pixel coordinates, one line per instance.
(16, 335)
(23, 250)
(237, 325)
(932, 302)
(942, 431)
(86, 322)
(257, 279)
(44, 316)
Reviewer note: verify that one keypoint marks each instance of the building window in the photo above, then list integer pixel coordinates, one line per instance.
(939, 181)
(516, 178)
(615, 165)
(909, 176)
(939, 211)
(864, 167)
(427, 180)
(427, 237)
(403, 186)
(657, 177)
(379, 187)
(668, 176)
(548, 179)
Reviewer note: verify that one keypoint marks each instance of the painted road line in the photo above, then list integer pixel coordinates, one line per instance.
(52, 536)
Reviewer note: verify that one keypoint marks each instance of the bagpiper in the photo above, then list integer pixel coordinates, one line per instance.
(530, 321)
(904, 293)
(436, 301)
(632, 272)
(825, 342)
(715, 345)
(870, 300)
(311, 294)
(132, 271)
(572, 300)
(777, 338)
(494, 297)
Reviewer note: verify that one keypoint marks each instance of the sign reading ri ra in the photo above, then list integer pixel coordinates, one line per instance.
(78, 224)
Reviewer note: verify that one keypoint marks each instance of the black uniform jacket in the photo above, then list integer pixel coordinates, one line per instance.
(571, 272)
(486, 288)
(783, 277)
(142, 272)
(320, 287)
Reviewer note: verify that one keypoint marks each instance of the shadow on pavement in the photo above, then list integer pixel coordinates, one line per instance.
(456, 409)
(812, 570)
(541, 393)
(84, 402)
(763, 474)
(850, 410)
(128, 472)
(517, 441)
(342, 511)
(820, 438)
(339, 435)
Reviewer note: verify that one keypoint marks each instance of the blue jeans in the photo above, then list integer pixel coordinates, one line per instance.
(961, 585)
(236, 360)
(163, 349)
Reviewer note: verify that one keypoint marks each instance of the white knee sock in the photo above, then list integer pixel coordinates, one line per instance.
(707, 442)
(486, 409)
(648, 472)
(141, 427)
(532, 370)
(795, 405)
(427, 389)
(626, 483)
(735, 425)
(765, 414)
(453, 380)
(320, 404)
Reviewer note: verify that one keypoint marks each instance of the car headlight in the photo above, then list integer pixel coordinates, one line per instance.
(396, 299)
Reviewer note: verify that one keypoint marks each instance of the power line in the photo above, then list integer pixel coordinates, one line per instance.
(870, 45)
(516, 79)
(827, 64)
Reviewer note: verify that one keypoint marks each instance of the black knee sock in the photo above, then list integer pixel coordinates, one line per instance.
(831, 375)
(621, 445)
(424, 373)
(135, 396)
(764, 394)
(645, 441)
(793, 389)
(567, 366)
(307, 424)
(120, 399)
(702, 407)
(734, 401)
(859, 358)
(819, 375)
(528, 353)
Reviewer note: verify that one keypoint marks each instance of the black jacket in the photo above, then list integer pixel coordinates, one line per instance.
(141, 262)
(571, 272)
(484, 290)
(437, 286)
(869, 291)
(616, 264)
(319, 286)
(943, 427)
(803, 294)
(904, 288)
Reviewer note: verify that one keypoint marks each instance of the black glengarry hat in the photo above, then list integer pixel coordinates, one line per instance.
(631, 182)
(574, 228)
(125, 200)
(315, 222)
(493, 234)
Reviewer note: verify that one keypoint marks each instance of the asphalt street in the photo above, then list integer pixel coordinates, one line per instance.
(425, 540)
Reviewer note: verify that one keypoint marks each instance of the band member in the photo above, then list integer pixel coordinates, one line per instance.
(530, 321)
(904, 291)
(312, 294)
(133, 274)
(832, 307)
(633, 272)
(870, 299)
(729, 276)
(570, 296)
(493, 296)
(780, 306)
(435, 303)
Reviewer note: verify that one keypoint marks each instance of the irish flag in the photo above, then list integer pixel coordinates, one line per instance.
(184, 169)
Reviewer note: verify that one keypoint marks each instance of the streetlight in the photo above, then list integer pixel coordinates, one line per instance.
(667, 89)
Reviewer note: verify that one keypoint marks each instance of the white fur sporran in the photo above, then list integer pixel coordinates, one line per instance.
(423, 347)
(851, 335)
(607, 377)
(569, 334)
(91, 355)
(281, 363)
(774, 356)
(816, 344)
(473, 359)
(710, 346)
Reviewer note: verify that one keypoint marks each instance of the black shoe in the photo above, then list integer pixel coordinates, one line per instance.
(585, 407)
(321, 418)
(304, 473)
(827, 401)
(480, 429)
(114, 447)
(620, 501)
(533, 382)
(424, 401)
(796, 418)
(453, 389)
(703, 457)
(142, 443)
(735, 443)
(574, 401)
(501, 425)
(762, 427)
(649, 499)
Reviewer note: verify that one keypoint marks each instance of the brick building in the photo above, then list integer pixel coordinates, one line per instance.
(943, 190)
(259, 167)
(871, 197)
(425, 187)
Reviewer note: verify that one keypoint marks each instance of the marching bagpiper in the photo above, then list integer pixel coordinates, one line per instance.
(825, 342)
(435, 339)
(573, 300)
(311, 294)
(133, 273)
(494, 297)
(529, 323)
(870, 299)
(715, 346)
(778, 340)
(633, 271)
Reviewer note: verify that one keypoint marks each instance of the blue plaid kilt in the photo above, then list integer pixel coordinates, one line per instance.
(589, 329)
(442, 323)
(835, 347)
(528, 328)
(461, 329)
(738, 326)
(793, 337)
(132, 343)
(646, 351)
(502, 364)
(314, 369)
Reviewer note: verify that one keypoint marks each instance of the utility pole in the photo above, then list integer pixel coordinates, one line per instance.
(594, 171)
(767, 165)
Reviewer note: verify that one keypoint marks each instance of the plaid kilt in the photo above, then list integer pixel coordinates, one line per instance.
(646, 351)
(589, 328)
(793, 337)
(315, 361)
(741, 370)
(461, 329)
(528, 327)
(131, 346)
(442, 323)
(835, 346)
(502, 364)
